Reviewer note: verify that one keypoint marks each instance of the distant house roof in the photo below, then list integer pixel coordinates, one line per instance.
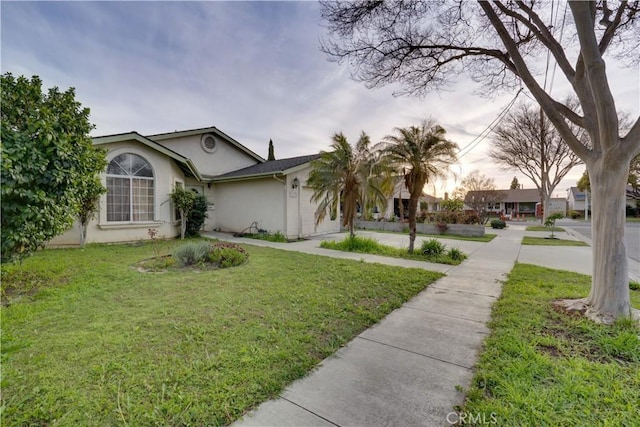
(577, 195)
(430, 199)
(517, 195)
(281, 166)
(199, 131)
(184, 163)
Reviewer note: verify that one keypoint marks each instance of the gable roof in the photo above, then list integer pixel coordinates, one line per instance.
(577, 194)
(517, 195)
(282, 166)
(214, 130)
(184, 163)
(430, 199)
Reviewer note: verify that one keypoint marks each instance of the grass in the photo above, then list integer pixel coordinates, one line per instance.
(543, 368)
(484, 239)
(89, 340)
(270, 237)
(371, 246)
(542, 241)
(543, 228)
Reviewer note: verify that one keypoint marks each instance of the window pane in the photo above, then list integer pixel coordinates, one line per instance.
(118, 199)
(129, 198)
(140, 167)
(117, 165)
(142, 199)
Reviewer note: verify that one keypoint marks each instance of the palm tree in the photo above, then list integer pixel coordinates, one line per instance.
(355, 178)
(420, 154)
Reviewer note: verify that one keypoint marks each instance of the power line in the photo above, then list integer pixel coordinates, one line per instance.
(478, 139)
(555, 65)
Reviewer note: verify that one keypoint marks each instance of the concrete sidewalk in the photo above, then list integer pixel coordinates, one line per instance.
(407, 369)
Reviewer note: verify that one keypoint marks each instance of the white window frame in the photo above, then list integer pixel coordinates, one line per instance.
(130, 179)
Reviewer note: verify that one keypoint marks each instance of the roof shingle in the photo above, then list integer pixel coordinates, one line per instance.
(269, 167)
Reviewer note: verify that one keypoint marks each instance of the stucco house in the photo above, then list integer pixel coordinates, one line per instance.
(401, 194)
(241, 187)
(575, 199)
(517, 202)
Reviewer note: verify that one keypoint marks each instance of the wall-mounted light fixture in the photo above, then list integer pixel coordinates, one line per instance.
(208, 185)
(295, 183)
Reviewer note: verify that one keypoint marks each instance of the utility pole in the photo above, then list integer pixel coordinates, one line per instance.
(586, 205)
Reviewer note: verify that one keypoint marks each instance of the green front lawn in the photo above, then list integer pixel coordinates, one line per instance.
(89, 340)
(542, 241)
(543, 368)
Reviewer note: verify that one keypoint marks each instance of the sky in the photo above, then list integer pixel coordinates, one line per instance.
(252, 69)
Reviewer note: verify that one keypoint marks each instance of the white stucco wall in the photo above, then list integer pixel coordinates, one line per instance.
(239, 203)
(166, 173)
(558, 205)
(274, 205)
(225, 158)
(301, 211)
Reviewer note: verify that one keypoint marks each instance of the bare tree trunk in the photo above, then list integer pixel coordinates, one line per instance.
(83, 233)
(610, 287)
(609, 297)
(546, 206)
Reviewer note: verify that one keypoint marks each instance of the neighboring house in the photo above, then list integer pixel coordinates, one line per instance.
(575, 199)
(517, 202)
(633, 197)
(433, 203)
(241, 187)
(401, 195)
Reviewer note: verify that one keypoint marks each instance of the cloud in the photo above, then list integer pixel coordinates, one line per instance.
(253, 69)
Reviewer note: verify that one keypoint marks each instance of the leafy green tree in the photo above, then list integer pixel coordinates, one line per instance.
(183, 200)
(272, 155)
(514, 183)
(353, 177)
(419, 154)
(47, 160)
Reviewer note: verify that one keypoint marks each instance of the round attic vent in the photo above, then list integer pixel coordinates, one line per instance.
(208, 143)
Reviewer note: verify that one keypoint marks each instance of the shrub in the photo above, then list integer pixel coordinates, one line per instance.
(196, 216)
(422, 216)
(574, 214)
(498, 223)
(456, 254)
(226, 254)
(472, 218)
(191, 253)
(271, 237)
(432, 247)
(442, 227)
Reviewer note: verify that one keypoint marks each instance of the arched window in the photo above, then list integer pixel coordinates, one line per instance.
(129, 189)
